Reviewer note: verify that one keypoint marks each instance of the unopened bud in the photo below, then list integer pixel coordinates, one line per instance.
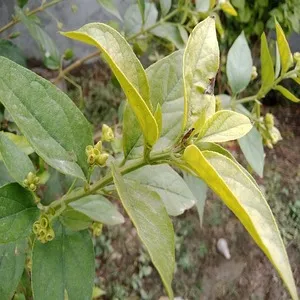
(107, 133)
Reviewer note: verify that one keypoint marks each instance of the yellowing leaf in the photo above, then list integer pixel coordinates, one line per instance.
(200, 65)
(286, 93)
(228, 8)
(126, 67)
(223, 126)
(286, 56)
(232, 183)
(267, 67)
(158, 118)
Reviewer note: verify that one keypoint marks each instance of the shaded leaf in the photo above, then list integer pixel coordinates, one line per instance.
(243, 197)
(165, 6)
(69, 258)
(286, 93)
(61, 143)
(12, 52)
(127, 68)
(75, 220)
(141, 4)
(168, 184)
(239, 64)
(223, 126)
(110, 6)
(17, 214)
(149, 216)
(4, 175)
(12, 263)
(252, 147)
(99, 209)
(16, 161)
(202, 5)
(200, 65)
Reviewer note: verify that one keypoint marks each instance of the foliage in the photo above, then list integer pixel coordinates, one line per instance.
(61, 138)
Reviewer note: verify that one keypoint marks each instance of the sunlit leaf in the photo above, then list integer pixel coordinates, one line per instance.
(252, 147)
(127, 68)
(200, 65)
(278, 63)
(148, 214)
(286, 56)
(223, 126)
(66, 263)
(239, 64)
(61, 143)
(286, 93)
(243, 197)
(168, 184)
(228, 8)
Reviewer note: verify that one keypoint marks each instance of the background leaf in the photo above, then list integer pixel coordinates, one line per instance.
(200, 66)
(69, 258)
(154, 227)
(18, 213)
(16, 161)
(99, 209)
(141, 4)
(242, 195)
(168, 184)
(61, 143)
(165, 6)
(128, 70)
(252, 147)
(202, 5)
(199, 190)
(12, 52)
(12, 258)
(223, 126)
(110, 6)
(239, 64)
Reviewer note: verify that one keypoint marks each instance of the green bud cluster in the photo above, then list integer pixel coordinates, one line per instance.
(107, 133)
(271, 135)
(95, 155)
(31, 181)
(97, 228)
(42, 229)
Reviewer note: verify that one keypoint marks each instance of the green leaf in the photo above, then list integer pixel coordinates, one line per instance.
(200, 66)
(243, 197)
(12, 258)
(20, 141)
(171, 32)
(286, 56)
(133, 21)
(267, 67)
(223, 126)
(202, 5)
(286, 93)
(18, 213)
(12, 52)
(16, 161)
(199, 190)
(252, 146)
(278, 64)
(215, 148)
(239, 64)
(4, 176)
(165, 6)
(22, 3)
(165, 80)
(74, 220)
(110, 6)
(128, 70)
(163, 180)
(66, 263)
(141, 4)
(154, 227)
(47, 46)
(61, 143)
(99, 209)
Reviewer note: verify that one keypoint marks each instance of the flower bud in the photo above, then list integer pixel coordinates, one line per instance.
(32, 187)
(102, 158)
(269, 121)
(99, 146)
(107, 133)
(254, 73)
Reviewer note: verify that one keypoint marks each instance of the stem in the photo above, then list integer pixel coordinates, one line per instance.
(66, 199)
(41, 8)
(80, 61)
(261, 95)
